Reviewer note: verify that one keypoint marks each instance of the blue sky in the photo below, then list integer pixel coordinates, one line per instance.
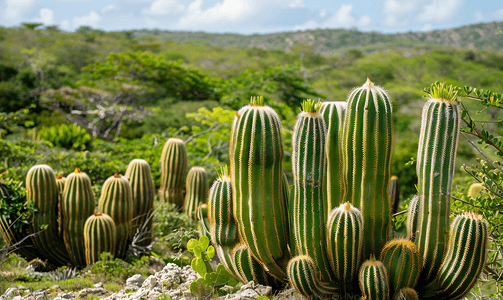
(251, 16)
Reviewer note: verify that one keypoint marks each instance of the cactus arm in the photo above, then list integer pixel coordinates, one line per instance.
(412, 218)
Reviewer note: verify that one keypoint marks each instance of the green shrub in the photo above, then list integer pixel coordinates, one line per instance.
(67, 136)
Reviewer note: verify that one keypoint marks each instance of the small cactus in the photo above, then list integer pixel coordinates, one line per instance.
(173, 169)
(196, 190)
(99, 236)
(373, 280)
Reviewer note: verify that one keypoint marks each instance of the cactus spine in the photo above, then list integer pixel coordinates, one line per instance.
(436, 156)
(77, 206)
(373, 280)
(60, 182)
(403, 264)
(333, 114)
(99, 236)
(142, 185)
(465, 258)
(117, 201)
(173, 170)
(368, 141)
(256, 156)
(42, 190)
(197, 190)
(309, 173)
(344, 242)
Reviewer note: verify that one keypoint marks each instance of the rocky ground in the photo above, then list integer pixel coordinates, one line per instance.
(172, 282)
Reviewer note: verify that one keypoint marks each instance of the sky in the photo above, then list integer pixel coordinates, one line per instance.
(251, 16)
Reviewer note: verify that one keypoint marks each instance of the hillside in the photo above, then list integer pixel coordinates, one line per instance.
(331, 41)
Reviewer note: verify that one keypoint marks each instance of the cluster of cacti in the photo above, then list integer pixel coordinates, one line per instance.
(333, 237)
(67, 231)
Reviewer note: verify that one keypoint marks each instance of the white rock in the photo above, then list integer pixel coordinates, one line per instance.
(11, 292)
(135, 280)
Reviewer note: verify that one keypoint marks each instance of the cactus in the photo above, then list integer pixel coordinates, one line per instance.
(333, 114)
(142, 184)
(309, 173)
(256, 156)
(42, 190)
(202, 216)
(403, 264)
(99, 236)
(406, 294)
(394, 193)
(60, 182)
(368, 139)
(117, 201)
(77, 206)
(197, 190)
(436, 155)
(173, 170)
(373, 280)
(465, 258)
(303, 274)
(412, 217)
(344, 242)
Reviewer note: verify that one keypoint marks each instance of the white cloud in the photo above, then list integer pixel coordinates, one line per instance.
(323, 13)
(164, 7)
(498, 13)
(395, 12)
(343, 18)
(439, 11)
(479, 16)
(65, 25)
(296, 4)
(108, 8)
(46, 16)
(427, 27)
(92, 20)
(16, 9)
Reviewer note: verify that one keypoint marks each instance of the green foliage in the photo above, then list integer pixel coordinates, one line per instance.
(10, 122)
(67, 136)
(13, 206)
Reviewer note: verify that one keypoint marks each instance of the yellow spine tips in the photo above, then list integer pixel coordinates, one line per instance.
(369, 84)
(347, 206)
(77, 170)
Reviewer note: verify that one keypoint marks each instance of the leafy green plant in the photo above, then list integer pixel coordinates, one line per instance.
(67, 136)
(210, 279)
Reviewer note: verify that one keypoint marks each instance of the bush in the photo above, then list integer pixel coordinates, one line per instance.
(67, 136)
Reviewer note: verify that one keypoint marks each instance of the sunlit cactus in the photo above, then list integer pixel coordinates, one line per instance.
(117, 201)
(196, 190)
(373, 280)
(256, 158)
(436, 156)
(76, 207)
(42, 191)
(344, 242)
(142, 184)
(173, 170)
(99, 236)
(412, 217)
(367, 141)
(333, 113)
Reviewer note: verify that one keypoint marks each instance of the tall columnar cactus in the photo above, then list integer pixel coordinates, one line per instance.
(77, 206)
(42, 190)
(465, 258)
(367, 140)
(412, 217)
(373, 280)
(60, 182)
(333, 113)
(344, 242)
(173, 171)
(196, 190)
(117, 201)
(403, 264)
(256, 156)
(142, 184)
(309, 173)
(99, 236)
(436, 156)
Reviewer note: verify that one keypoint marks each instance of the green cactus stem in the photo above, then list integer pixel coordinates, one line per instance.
(394, 193)
(309, 174)
(42, 191)
(196, 190)
(436, 157)
(403, 264)
(333, 113)
(117, 201)
(77, 206)
(303, 275)
(406, 294)
(344, 242)
(256, 158)
(99, 236)
(373, 280)
(142, 184)
(412, 218)
(465, 258)
(368, 141)
(173, 170)
(60, 182)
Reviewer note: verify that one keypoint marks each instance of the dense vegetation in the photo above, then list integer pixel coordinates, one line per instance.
(190, 90)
